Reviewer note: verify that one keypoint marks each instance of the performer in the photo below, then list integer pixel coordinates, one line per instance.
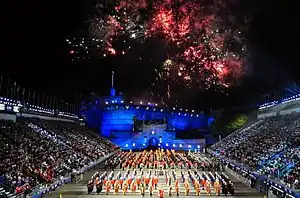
(203, 183)
(133, 187)
(187, 188)
(161, 193)
(225, 188)
(197, 187)
(90, 187)
(107, 187)
(147, 180)
(217, 187)
(231, 188)
(151, 190)
(155, 182)
(113, 183)
(125, 187)
(104, 181)
(129, 182)
(97, 180)
(121, 183)
(208, 187)
(117, 187)
(143, 189)
(98, 187)
(170, 191)
(138, 181)
(167, 179)
(177, 187)
(170, 181)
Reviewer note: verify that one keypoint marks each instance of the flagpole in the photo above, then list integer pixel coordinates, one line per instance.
(23, 96)
(46, 101)
(8, 88)
(112, 79)
(1, 84)
(33, 98)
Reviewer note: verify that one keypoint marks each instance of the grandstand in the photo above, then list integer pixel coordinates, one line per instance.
(36, 151)
(268, 149)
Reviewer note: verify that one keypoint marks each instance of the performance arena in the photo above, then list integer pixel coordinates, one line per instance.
(58, 155)
(185, 116)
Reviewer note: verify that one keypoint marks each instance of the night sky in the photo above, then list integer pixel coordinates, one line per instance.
(34, 54)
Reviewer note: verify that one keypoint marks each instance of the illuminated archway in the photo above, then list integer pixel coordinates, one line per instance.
(153, 142)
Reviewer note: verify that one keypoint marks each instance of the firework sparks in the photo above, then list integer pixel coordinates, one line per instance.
(203, 43)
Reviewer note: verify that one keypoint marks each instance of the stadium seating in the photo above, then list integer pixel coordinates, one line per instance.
(37, 151)
(270, 147)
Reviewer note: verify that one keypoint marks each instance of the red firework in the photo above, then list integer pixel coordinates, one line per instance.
(195, 28)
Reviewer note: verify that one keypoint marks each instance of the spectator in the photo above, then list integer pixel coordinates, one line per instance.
(269, 147)
(37, 151)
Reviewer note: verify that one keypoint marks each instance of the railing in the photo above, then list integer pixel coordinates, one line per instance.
(238, 176)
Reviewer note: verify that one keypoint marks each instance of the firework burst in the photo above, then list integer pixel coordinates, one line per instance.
(206, 38)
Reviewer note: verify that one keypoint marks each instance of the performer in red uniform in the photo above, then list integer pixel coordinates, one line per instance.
(161, 193)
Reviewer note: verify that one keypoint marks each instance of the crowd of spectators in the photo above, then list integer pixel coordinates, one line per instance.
(37, 151)
(269, 147)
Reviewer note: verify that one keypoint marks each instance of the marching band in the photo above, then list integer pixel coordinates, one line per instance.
(142, 172)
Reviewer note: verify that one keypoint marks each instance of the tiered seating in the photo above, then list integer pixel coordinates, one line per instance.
(36, 151)
(270, 146)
